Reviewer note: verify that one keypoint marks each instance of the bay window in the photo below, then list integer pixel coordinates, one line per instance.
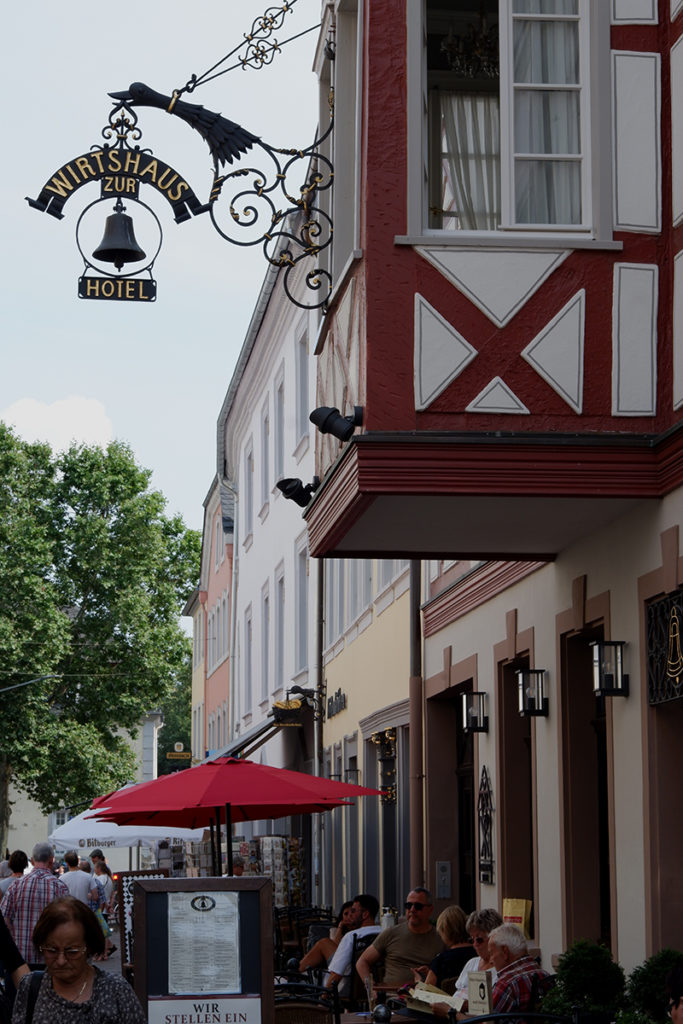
(514, 140)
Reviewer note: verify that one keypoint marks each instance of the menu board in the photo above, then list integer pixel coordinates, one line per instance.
(203, 949)
(203, 942)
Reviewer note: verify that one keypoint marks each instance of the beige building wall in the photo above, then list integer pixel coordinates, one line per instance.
(612, 560)
(370, 664)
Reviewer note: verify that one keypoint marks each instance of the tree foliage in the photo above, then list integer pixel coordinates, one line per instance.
(93, 578)
(177, 710)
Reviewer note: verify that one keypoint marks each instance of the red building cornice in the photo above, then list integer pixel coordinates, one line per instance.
(398, 466)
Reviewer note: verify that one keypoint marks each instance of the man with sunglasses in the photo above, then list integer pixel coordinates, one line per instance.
(406, 947)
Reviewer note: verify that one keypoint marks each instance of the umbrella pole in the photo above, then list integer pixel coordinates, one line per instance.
(213, 848)
(228, 837)
(219, 859)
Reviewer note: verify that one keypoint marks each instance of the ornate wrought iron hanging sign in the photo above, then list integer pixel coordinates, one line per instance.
(278, 209)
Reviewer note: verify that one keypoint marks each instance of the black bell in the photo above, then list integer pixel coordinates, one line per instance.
(118, 245)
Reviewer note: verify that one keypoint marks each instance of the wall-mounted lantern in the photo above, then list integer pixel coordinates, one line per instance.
(474, 715)
(609, 679)
(533, 700)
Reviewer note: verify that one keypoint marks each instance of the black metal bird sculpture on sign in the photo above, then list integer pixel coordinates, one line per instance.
(226, 139)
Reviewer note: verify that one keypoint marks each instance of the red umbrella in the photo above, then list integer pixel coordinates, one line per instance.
(253, 791)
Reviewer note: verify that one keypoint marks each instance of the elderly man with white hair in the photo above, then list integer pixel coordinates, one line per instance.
(520, 980)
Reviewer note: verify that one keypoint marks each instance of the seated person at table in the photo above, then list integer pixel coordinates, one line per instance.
(451, 924)
(674, 990)
(324, 949)
(405, 947)
(517, 971)
(364, 910)
(479, 924)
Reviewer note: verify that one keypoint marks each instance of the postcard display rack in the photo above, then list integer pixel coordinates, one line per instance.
(204, 949)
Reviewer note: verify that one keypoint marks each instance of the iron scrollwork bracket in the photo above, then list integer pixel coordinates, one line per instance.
(287, 222)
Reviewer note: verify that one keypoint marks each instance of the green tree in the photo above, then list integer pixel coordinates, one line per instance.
(93, 576)
(177, 722)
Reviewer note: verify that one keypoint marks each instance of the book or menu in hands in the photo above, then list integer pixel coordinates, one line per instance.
(479, 994)
(422, 998)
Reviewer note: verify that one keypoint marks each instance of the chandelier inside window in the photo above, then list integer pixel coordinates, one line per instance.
(474, 52)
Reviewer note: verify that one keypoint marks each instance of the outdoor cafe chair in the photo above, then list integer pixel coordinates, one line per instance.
(300, 1003)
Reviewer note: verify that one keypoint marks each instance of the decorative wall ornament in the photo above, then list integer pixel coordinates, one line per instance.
(665, 648)
(634, 339)
(556, 353)
(441, 353)
(497, 397)
(498, 281)
(485, 817)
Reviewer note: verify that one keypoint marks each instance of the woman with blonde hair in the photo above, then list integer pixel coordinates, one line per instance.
(451, 924)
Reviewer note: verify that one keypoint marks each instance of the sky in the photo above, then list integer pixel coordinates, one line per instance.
(153, 375)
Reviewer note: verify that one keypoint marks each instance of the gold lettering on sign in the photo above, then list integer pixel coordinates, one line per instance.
(132, 162)
(85, 167)
(60, 185)
(166, 184)
(114, 160)
(115, 288)
(151, 168)
(181, 187)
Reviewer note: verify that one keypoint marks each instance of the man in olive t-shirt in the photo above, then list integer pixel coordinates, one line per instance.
(406, 946)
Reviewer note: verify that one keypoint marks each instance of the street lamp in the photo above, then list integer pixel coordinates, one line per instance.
(38, 679)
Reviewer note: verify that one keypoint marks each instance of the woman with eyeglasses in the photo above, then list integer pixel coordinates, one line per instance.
(479, 924)
(68, 935)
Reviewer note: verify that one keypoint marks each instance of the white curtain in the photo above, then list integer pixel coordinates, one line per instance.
(471, 160)
(547, 122)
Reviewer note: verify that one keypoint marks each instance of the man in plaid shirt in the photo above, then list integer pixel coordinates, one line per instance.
(520, 982)
(24, 902)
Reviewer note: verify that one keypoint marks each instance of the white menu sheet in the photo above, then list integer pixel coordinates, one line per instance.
(203, 942)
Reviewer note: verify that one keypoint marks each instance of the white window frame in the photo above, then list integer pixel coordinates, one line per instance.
(265, 458)
(596, 138)
(279, 428)
(279, 634)
(248, 659)
(265, 641)
(303, 375)
(248, 492)
(301, 606)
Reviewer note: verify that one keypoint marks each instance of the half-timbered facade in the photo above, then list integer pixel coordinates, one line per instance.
(508, 312)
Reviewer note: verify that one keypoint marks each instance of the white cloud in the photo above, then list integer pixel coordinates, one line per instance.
(79, 419)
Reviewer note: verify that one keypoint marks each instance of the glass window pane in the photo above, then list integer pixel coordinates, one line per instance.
(546, 53)
(548, 191)
(545, 6)
(547, 122)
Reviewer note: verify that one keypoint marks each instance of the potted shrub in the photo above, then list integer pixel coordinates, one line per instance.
(646, 989)
(588, 980)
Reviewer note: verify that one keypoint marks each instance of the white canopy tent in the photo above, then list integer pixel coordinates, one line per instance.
(79, 833)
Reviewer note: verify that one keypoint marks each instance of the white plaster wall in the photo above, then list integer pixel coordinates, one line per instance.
(612, 560)
(277, 527)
